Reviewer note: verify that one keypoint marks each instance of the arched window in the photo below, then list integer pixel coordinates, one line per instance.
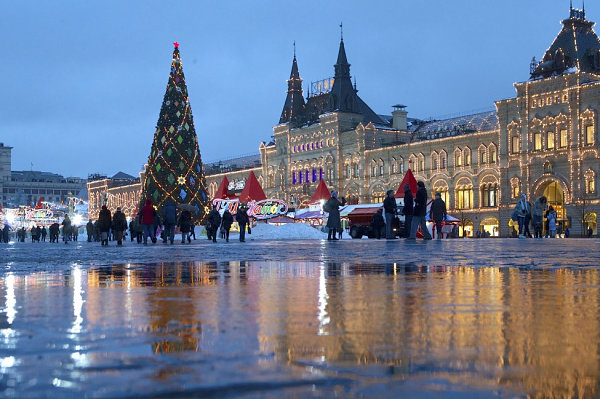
(458, 158)
(489, 195)
(515, 187)
(434, 161)
(443, 160)
(493, 155)
(381, 167)
(467, 155)
(548, 167)
(421, 163)
(441, 187)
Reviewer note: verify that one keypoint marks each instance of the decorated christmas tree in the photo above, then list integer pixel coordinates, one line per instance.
(175, 168)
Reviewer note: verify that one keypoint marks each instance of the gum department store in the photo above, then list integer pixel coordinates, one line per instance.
(542, 142)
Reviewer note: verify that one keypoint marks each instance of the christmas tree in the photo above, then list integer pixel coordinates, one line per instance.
(175, 166)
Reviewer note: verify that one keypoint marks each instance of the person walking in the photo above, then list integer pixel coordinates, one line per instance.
(390, 207)
(213, 223)
(539, 207)
(132, 232)
(119, 225)
(169, 212)
(147, 219)
(184, 223)
(377, 223)
(242, 218)
(226, 222)
(438, 214)
(420, 210)
(408, 210)
(551, 216)
(522, 214)
(89, 229)
(44, 233)
(104, 223)
(5, 233)
(66, 223)
(332, 206)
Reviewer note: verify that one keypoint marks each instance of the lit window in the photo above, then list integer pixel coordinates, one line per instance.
(515, 191)
(443, 191)
(591, 186)
(348, 171)
(421, 164)
(483, 157)
(434, 163)
(467, 158)
(464, 197)
(293, 177)
(459, 160)
(550, 140)
(443, 161)
(514, 144)
(381, 170)
(374, 171)
(537, 141)
(493, 155)
(589, 135)
(563, 138)
(355, 170)
(489, 196)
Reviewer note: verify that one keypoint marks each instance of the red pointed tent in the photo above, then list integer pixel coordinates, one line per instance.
(321, 193)
(252, 190)
(222, 190)
(409, 179)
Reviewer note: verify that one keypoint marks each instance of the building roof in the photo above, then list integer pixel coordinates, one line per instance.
(473, 123)
(252, 190)
(343, 97)
(233, 164)
(576, 47)
(123, 176)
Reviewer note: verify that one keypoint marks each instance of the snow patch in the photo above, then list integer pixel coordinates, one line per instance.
(288, 231)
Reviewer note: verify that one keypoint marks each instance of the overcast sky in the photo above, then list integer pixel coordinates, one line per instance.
(83, 81)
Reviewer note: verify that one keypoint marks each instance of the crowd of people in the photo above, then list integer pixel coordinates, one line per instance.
(540, 216)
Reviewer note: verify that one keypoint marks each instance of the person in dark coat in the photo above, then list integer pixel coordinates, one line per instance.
(390, 207)
(44, 233)
(169, 212)
(242, 218)
(89, 229)
(104, 223)
(377, 223)
(334, 222)
(132, 232)
(438, 213)
(408, 210)
(147, 216)
(226, 222)
(184, 223)
(213, 223)
(420, 210)
(5, 233)
(119, 225)
(66, 223)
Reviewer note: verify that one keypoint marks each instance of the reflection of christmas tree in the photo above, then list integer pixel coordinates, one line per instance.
(175, 166)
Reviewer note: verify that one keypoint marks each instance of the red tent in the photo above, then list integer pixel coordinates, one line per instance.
(321, 193)
(411, 181)
(222, 192)
(252, 190)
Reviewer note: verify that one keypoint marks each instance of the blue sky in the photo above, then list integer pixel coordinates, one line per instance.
(83, 81)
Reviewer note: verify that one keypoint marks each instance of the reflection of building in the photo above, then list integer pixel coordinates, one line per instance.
(542, 142)
(27, 187)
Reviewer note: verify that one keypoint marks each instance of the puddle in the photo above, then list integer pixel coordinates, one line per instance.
(304, 329)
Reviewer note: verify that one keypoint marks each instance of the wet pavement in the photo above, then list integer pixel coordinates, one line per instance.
(350, 319)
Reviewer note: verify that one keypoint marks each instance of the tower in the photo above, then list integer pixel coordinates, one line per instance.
(294, 102)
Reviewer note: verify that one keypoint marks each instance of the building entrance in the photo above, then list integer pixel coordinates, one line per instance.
(556, 198)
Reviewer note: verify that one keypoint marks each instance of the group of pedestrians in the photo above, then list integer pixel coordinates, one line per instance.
(215, 222)
(525, 214)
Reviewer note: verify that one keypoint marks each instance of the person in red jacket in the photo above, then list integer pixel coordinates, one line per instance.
(148, 213)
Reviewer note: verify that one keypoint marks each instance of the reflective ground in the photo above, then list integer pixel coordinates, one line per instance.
(317, 328)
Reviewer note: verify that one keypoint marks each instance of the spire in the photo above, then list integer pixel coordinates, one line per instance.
(342, 68)
(294, 102)
(343, 97)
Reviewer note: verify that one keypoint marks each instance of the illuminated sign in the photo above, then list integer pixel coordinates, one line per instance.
(321, 86)
(264, 209)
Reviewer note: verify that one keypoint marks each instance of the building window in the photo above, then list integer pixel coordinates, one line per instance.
(320, 174)
(489, 195)
(548, 168)
(300, 177)
(467, 158)
(443, 161)
(401, 164)
(464, 197)
(394, 168)
(381, 170)
(373, 171)
(589, 135)
(355, 170)
(483, 158)
(563, 138)
(434, 162)
(306, 174)
(537, 141)
(458, 159)
(514, 144)
(314, 175)
(421, 163)
(591, 186)
(515, 191)
(550, 140)
(348, 171)
(493, 156)
(590, 182)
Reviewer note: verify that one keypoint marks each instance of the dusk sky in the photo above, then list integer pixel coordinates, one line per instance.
(83, 81)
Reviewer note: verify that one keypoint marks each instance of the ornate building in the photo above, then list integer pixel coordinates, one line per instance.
(542, 142)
